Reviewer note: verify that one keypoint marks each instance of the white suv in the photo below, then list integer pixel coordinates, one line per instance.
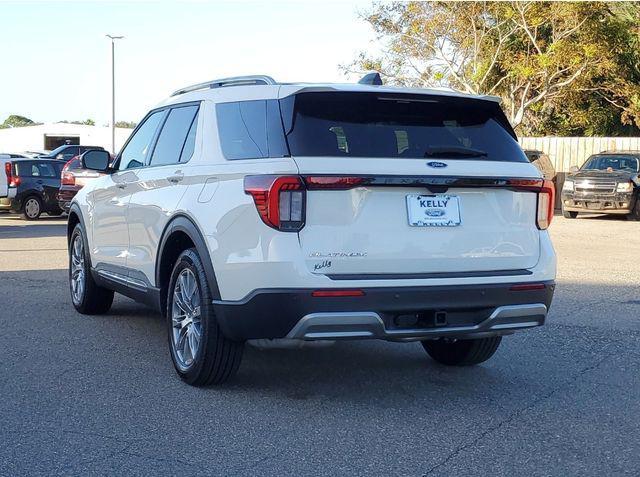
(245, 209)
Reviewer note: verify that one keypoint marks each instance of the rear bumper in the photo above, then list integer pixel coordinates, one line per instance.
(615, 203)
(7, 203)
(66, 195)
(392, 313)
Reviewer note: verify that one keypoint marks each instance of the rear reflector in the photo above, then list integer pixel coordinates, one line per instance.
(528, 286)
(326, 293)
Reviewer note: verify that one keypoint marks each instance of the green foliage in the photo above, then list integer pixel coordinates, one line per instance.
(86, 122)
(559, 67)
(16, 121)
(126, 124)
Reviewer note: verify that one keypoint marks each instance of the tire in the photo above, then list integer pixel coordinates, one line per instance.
(87, 297)
(635, 213)
(462, 352)
(567, 214)
(31, 208)
(55, 212)
(201, 354)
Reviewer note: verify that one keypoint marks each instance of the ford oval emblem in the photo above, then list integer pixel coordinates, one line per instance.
(436, 164)
(434, 212)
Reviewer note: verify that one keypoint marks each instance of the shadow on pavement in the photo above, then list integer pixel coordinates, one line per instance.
(347, 370)
(13, 226)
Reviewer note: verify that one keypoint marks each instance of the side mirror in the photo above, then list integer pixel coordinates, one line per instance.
(96, 160)
(573, 169)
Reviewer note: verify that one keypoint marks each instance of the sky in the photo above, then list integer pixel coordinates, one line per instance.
(55, 59)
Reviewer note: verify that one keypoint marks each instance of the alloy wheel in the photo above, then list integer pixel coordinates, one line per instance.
(77, 269)
(186, 330)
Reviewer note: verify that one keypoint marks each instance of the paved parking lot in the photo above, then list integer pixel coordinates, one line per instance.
(98, 395)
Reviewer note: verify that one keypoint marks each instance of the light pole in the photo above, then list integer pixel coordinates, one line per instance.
(113, 92)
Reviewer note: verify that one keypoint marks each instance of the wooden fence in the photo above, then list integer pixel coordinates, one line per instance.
(573, 151)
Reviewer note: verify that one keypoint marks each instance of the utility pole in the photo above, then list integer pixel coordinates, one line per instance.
(113, 92)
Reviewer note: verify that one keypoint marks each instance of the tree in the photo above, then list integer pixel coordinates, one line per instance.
(126, 124)
(86, 122)
(536, 56)
(16, 121)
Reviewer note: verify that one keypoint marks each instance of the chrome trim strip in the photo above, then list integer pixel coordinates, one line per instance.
(346, 325)
(122, 279)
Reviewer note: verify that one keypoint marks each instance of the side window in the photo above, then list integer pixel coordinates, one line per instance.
(46, 170)
(136, 151)
(173, 137)
(59, 168)
(190, 143)
(250, 130)
(243, 129)
(70, 152)
(24, 168)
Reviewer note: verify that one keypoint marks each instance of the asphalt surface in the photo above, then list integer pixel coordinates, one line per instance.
(98, 395)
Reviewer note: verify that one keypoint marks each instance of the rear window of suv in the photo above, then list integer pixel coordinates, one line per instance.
(397, 125)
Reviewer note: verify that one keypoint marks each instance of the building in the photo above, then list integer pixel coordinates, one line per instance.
(46, 137)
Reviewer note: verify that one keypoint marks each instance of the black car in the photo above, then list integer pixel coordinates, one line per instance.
(33, 187)
(608, 183)
(542, 162)
(67, 152)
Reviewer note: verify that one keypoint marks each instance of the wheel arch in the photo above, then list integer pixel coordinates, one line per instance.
(179, 234)
(74, 218)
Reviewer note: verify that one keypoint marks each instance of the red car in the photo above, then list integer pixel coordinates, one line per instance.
(74, 178)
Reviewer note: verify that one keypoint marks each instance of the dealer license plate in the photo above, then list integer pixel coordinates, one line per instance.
(433, 210)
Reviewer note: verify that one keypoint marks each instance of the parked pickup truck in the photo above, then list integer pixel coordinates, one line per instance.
(608, 183)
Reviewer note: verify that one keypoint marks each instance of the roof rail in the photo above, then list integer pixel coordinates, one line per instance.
(234, 81)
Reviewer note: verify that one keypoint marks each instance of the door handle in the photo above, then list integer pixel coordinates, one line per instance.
(121, 185)
(39, 181)
(177, 177)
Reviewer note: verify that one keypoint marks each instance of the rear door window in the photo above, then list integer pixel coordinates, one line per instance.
(397, 125)
(174, 136)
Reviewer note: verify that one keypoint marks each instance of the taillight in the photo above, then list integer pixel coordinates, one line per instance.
(546, 198)
(68, 178)
(335, 182)
(280, 200)
(546, 205)
(11, 180)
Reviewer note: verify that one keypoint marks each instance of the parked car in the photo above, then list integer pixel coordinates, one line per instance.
(68, 152)
(542, 162)
(607, 183)
(74, 177)
(244, 209)
(4, 182)
(33, 154)
(33, 187)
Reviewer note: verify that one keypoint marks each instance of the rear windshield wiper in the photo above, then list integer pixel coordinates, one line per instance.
(453, 151)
